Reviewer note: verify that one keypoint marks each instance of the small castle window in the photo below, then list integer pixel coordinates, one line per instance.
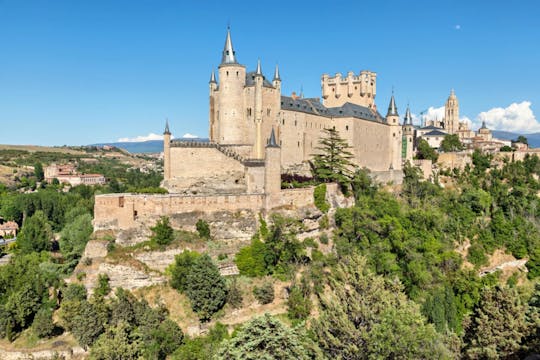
(268, 112)
(283, 121)
(347, 127)
(227, 73)
(280, 142)
(299, 144)
(295, 122)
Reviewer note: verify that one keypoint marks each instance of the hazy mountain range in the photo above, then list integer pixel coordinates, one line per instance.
(156, 146)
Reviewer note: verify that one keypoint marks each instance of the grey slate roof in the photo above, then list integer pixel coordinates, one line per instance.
(314, 106)
(430, 127)
(250, 79)
(435, 133)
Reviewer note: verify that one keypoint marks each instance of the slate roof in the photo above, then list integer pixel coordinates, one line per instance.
(435, 133)
(314, 106)
(250, 80)
(430, 127)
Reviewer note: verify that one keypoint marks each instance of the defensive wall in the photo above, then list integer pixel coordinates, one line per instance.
(126, 211)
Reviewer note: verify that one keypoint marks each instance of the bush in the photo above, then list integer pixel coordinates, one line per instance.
(181, 268)
(265, 293)
(234, 296)
(205, 288)
(324, 223)
(477, 255)
(43, 325)
(203, 229)
(323, 238)
(251, 260)
(162, 233)
(298, 303)
(103, 288)
(319, 195)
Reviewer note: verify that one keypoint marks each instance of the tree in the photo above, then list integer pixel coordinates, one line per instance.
(74, 237)
(426, 152)
(332, 162)
(365, 316)
(43, 325)
(183, 263)
(103, 287)
(267, 338)
(498, 325)
(162, 233)
(251, 259)
(117, 343)
(36, 234)
(38, 171)
(264, 293)
(205, 288)
(87, 325)
(203, 229)
(234, 296)
(451, 143)
(522, 139)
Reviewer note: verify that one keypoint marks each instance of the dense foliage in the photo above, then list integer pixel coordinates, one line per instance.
(332, 162)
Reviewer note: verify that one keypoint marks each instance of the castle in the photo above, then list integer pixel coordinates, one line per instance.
(255, 135)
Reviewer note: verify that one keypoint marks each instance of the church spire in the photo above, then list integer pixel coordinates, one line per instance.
(167, 131)
(408, 117)
(276, 74)
(213, 77)
(259, 71)
(392, 108)
(229, 55)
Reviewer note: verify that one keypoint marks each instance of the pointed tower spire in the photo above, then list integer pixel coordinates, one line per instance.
(392, 108)
(167, 131)
(272, 141)
(229, 55)
(259, 71)
(213, 77)
(483, 124)
(276, 74)
(408, 116)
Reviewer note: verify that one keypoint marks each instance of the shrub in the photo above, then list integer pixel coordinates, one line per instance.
(298, 303)
(205, 288)
(103, 288)
(234, 296)
(203, 229)
(162, 233)
(265, 293)
(323, 238)
(43, 325)
(87, 261)
(251, 260)
(181, 268)
(324, 222)
(319, 195)
(477, 255)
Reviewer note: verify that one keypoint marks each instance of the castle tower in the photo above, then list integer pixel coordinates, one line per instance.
(231, 127)
(212, 121)
(259, 79)
(272, 167)
(394, 136)
(408, 137)
(167, 152)
(451, 114)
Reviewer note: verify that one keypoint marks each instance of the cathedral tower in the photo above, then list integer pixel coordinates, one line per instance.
(230, 125)
(451, 114)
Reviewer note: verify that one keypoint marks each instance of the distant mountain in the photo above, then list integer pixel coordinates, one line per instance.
(144, 147)
(533, 139)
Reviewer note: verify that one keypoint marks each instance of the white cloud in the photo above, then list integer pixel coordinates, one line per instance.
(432, 113)
(517, 117)
(141, 138)
(189, 136)
(465, 119)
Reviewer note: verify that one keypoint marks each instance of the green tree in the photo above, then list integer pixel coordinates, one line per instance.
(74, 237)
(251, 259)
(162, 232)
(264, 293)
(267, 338)
(205, 288)
(179, 271)
(365, 316)
(103, 288)
(203, 229)
(117, 343)
(234, 295)
(451, 143)
(36, 234)
(38, 171)
(498, 325)
(332, 162)
(87, 325)
(299, 302)
(522, 139)
(319, 197)
(426, 152)
(43, 325)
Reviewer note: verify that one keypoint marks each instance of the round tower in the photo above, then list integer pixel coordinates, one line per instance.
(231, 127)
(212, 131)
(408, 137)
(394, 136)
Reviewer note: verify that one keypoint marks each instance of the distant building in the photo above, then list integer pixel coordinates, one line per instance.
(67, 173)
(9, 229)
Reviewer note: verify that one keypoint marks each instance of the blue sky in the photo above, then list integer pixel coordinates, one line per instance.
(80, 72)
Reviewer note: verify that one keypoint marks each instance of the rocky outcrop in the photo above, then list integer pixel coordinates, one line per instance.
(129, 278)
(68, 354)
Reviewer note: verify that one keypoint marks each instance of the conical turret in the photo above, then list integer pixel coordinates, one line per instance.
(408, 117)
(229, 55)
(213, 77)
(392, 108)
(276, 74)
(272, 140)
(167, 131)
(259, 71)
